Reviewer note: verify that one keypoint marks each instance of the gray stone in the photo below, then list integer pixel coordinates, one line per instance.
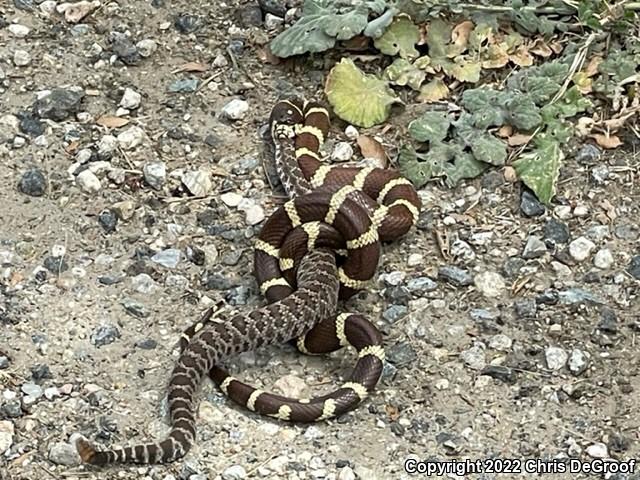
(455, 276)
(474, 358)
(21, 58)
(557, 231)
(588, 154)
(530, 205)
(59, 104)
(197, 182)
(421, 285)
(603, 259)
(88, 182)
(342, 152)
(63, 454)
(534, 248)
(155, 174)
(146, 47)
(33, 183)
(7, 431)
(394, 313)
(500, 342)
(131, 137)
(104, 335)
(32, 390)
(130, 99)
(525, 307)
(169, 258)
(143, 283)
(577, 295)
(634, 267)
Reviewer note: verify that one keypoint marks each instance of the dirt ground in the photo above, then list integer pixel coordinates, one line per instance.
(527, 351)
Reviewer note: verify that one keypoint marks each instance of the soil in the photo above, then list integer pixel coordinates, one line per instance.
(476, 369)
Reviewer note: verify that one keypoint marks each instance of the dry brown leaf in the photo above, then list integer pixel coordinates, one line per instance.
(540, 48)
(191, 67)
(556, 47)
(495, 57)
(505, 131)
(358, 43)
(460, 34)
(72, 147)
(265, 56)
(521, 57)
(592, 66)
(111, 121)
(518, 139)
(607, 141)
(584, 126)
(609, 209)
(392, 412)
(510, 174)
(371, 148)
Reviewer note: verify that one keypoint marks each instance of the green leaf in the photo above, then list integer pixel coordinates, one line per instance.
(399, 38)
(438, 36)
(442, 160)
(484, 104)
(430, 127)
(322, 23)
(489, 149)
(433, 91)
(418, 173)
(466, 71)
(522, 112)
(539, 168)
(402, 72)
(376, 27)
(356, 97)
(541, 83)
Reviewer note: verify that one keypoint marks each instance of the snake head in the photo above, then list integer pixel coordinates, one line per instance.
(285, 114)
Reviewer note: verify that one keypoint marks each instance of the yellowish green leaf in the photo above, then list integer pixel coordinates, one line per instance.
(539, 168)
(466, 71)
(433, 91)
(399, 38)
(402, 72)
(356, 97)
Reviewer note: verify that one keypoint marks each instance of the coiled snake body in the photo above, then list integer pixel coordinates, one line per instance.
(334, 209)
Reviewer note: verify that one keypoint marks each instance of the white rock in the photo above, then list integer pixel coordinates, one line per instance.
(603, 259)
(415, 260)
(234, 472)
(291, 386)
(346, 474)
(231, 199)
(342, 152)
(197, 182)
(500, 342)
(6, 435)
(143, 283)
(220, 61)
(254, 215)
(107, 144)
(19, 31)
(563, 212)
(556, 358)
(88, 182)
(578, 361)
(236, 109)
(146, 47)
(351, 132)
(581, 211)
(48, 7)
(21, 58)
(597, 450)
(490, 284)
(155, 174)
(131, 137)
(130, 99)
(272, 22)
(474, 358)
(581, 248)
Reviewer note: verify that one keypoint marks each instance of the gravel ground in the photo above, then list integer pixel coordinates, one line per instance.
(510, 327)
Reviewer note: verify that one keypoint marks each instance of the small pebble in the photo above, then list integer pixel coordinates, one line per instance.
(415, 260)
(33, 183)
(556, 230)
(556, 358)
(530, 205)
(254, 215)
(231, 199)
(6, 435)
(18, 31)
(146, 47)
(578, 361)
(236, 109)
(500, 342)
(351, 132)
(588, 154)
(580, 249)
(169, 258)
(104, 335)
(455, 276)
(490, 284)
(88, 182)
(21, 58)
(155, 174)
(634, 267)
(603, 259)
(342, 152)
(63, 454)
(130, 99)
(597, 450)
(197, 182)
(234, 472)
(131, 138)
(474, 358)
(534, 248)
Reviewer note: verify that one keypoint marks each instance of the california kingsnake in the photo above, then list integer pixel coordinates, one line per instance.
(338, 213)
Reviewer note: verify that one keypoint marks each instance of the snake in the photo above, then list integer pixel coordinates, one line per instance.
(348, 210)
